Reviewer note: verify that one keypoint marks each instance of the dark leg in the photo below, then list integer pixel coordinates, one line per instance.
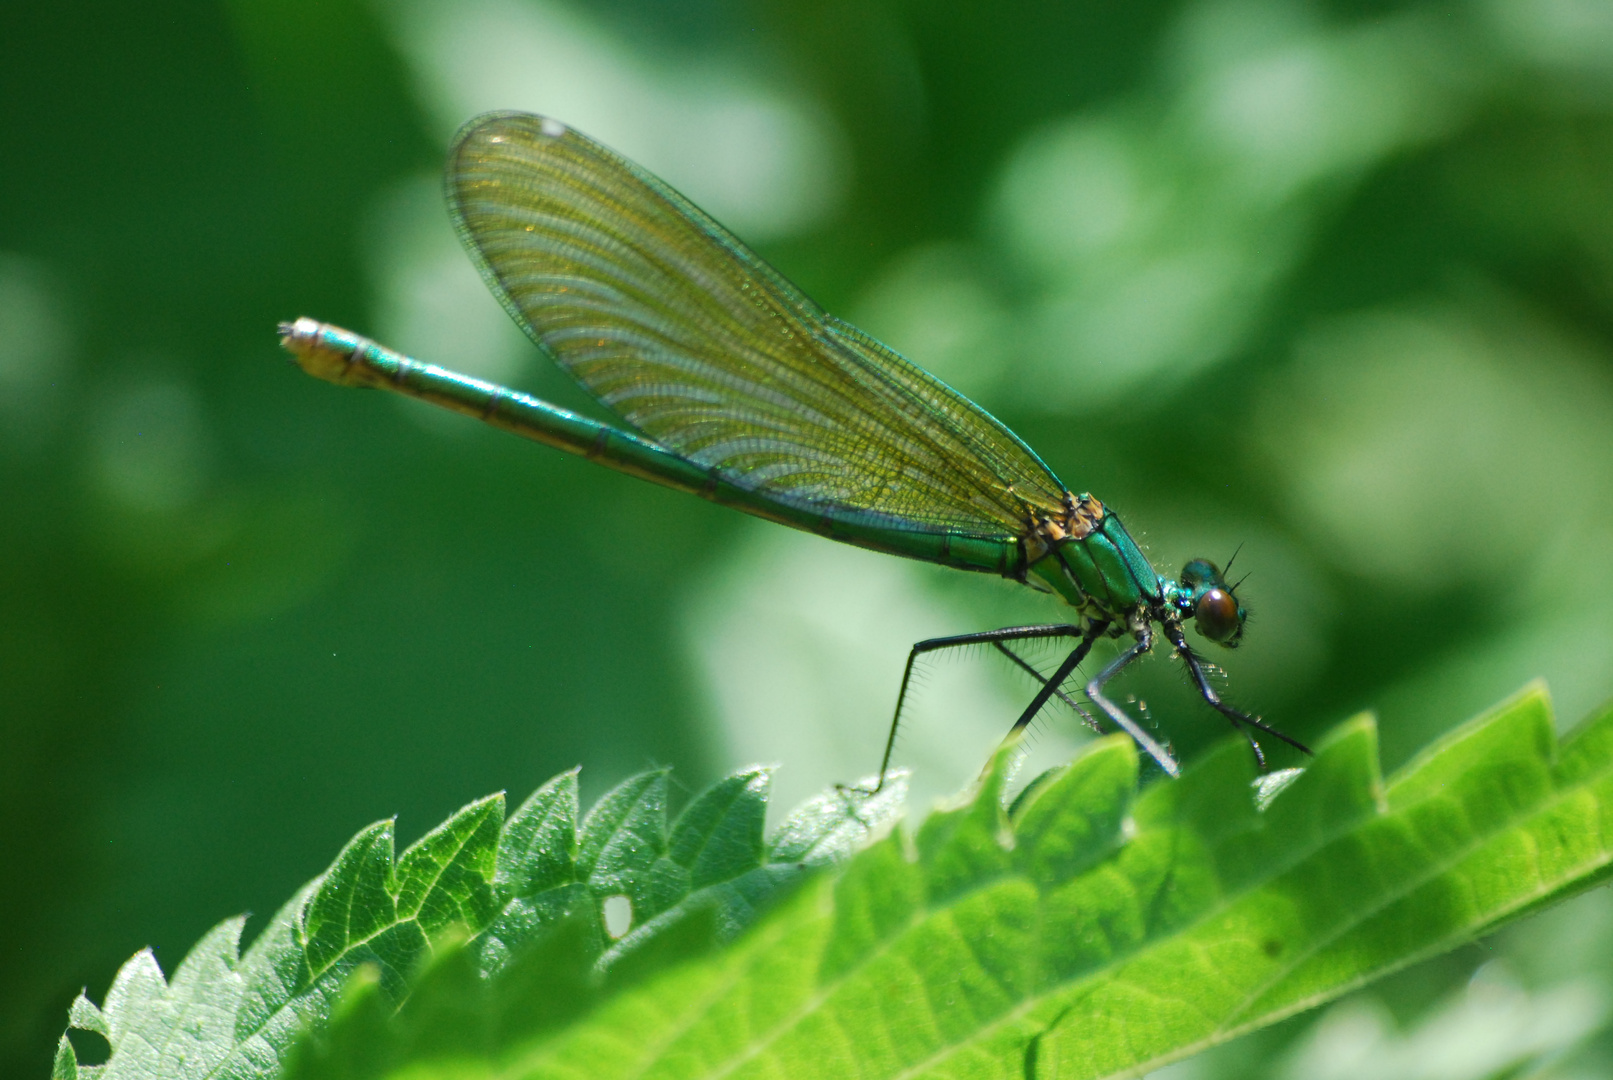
(1126, 724)
(1239, 718)
(1028, 668)
(1144, 642)
(1055, 684)
(1138, 735)
(1152, 748)
(1050, 686)
(984, 637)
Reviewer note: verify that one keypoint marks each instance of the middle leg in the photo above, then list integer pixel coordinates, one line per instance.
(1122, 720)
(1145, 640)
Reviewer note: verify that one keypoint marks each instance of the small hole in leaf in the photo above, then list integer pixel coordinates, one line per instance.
(89, 1047)
(618, 915)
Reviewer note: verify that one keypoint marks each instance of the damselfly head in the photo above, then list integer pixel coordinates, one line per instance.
(1217, 612)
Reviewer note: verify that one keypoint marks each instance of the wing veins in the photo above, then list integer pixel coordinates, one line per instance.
(701, 346)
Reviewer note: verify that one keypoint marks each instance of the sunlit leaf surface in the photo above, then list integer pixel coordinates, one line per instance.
(1080, 930)
(547, 878)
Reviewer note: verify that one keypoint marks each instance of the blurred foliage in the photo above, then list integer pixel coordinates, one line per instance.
(1330, 281)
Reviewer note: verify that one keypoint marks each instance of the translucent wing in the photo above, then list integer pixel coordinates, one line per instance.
(680, 329)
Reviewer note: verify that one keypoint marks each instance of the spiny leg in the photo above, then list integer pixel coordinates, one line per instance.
(983, 637)
(1049, 686)
(1195, 668)
(1054, 685)
(1144, 642)
(1028, 668)
(1201, 681)
(1150, 747)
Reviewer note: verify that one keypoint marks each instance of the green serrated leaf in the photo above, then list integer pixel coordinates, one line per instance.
(623, 836)
(538, 851)
(719, 836)
(64, 1066)
(832, 825)
(963, 847)
(1086, 931)
(1089, 935)
(475, 896)
(1074, 818)
(369, 911)
(535, 871)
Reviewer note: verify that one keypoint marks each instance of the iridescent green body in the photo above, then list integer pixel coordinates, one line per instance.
(348, 359)
(736, 387)
(1102, 573)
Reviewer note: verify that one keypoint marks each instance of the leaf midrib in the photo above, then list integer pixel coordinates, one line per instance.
(923, 913)
(352, 945)
(818, 998)
(1329, 993)
(1222, 1034)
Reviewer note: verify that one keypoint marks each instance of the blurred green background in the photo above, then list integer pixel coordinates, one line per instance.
(1330, 281)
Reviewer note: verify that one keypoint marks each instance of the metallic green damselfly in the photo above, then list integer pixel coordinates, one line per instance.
(739, 389)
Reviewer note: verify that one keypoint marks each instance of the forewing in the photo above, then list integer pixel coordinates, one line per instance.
(698, 344)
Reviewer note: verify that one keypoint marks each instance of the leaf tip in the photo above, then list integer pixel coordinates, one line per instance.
(1269, 785)
(65, 1064)
(86, 1016)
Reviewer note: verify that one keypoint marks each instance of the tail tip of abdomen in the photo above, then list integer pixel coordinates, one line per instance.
(317, 351)
(302, 331)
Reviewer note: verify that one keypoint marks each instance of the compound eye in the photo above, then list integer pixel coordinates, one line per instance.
(1217, 615)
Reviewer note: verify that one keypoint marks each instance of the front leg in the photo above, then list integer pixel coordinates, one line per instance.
(1239, 718)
